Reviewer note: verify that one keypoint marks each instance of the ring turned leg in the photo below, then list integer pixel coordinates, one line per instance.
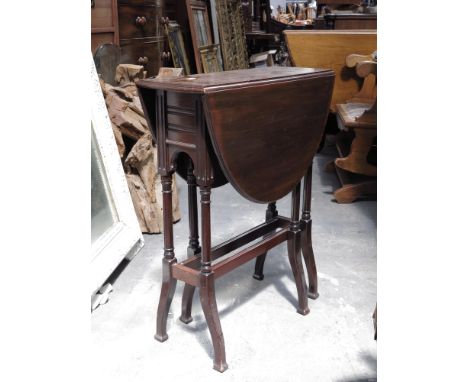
(294, 252)
(207, 291)
(194, 245)
(169, 283)
(271, 213)
(306, 236)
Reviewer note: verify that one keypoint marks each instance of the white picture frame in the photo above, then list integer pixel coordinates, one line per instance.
(124, 238)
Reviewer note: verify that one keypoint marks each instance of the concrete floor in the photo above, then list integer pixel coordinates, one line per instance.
(266, 340)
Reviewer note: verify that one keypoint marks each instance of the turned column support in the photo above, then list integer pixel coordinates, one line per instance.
(270, 214)
(193, 248)
(207, 284)
(306, 235)
(168, 282)
(194, 244)
(205, 202)
(294, 252)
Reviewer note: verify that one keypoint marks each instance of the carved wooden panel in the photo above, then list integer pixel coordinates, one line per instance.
(232, 36)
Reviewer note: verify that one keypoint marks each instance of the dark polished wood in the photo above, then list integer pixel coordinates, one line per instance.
(207, 288)
(294, 252)
(137, 21)
(168, 281)
(193, 248)
(306, 236)
(141, 34)
(270, 214)
(259, 130)
(231, 134)
(194, 245)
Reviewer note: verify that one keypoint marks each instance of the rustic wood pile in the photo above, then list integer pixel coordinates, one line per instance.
(136, 149)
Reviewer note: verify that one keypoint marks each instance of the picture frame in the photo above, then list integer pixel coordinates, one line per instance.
(232, 34)
(177, 46)
(200, 30)
(209, 58)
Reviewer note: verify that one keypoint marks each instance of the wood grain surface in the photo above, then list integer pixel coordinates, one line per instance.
(266, 136)
(329, 49)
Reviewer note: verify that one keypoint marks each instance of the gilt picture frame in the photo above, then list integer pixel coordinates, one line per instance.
(209, 57)
(200, 30)
(177, 46)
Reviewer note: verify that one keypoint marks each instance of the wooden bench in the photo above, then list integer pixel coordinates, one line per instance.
(329, 49)
(353, 91)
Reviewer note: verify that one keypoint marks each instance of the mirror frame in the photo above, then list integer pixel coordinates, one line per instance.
(124, 239)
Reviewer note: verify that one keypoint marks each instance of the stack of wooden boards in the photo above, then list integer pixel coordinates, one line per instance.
(135, 145)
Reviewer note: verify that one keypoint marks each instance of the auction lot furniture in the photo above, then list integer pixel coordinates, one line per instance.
(258, 129)
(358, 117)
(329, 49)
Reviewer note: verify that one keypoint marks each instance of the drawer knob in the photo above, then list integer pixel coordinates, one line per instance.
(143, 60)
(140, 21)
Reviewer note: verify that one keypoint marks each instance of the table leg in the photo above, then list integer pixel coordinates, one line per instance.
(306, 236)
(271, 213)
(194, 245)
(294, 252)
(169, 283)
(207, 286)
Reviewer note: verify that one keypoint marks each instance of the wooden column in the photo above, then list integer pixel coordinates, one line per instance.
(168, 282)
(270, 214)
(207, 286)
(194, 245)
(294, 252)
(306, 235)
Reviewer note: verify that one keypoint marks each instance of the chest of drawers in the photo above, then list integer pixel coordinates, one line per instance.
(141, 33)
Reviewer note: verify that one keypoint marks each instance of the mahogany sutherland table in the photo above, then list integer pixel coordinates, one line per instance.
(259, 129)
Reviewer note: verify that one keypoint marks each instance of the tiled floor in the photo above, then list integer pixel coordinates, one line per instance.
(266, 340)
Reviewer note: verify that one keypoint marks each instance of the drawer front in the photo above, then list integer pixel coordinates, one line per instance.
(181, 101)
(138, 21)
(101, 14)
(181, 112)
(144, 52)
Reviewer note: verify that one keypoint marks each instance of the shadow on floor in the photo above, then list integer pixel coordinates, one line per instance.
(276, 270)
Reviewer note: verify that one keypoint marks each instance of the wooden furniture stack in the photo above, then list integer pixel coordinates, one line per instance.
(357, 119)
(141, 35)
(208, 130)
(329, 49)
(338, 50)
(135, 26)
